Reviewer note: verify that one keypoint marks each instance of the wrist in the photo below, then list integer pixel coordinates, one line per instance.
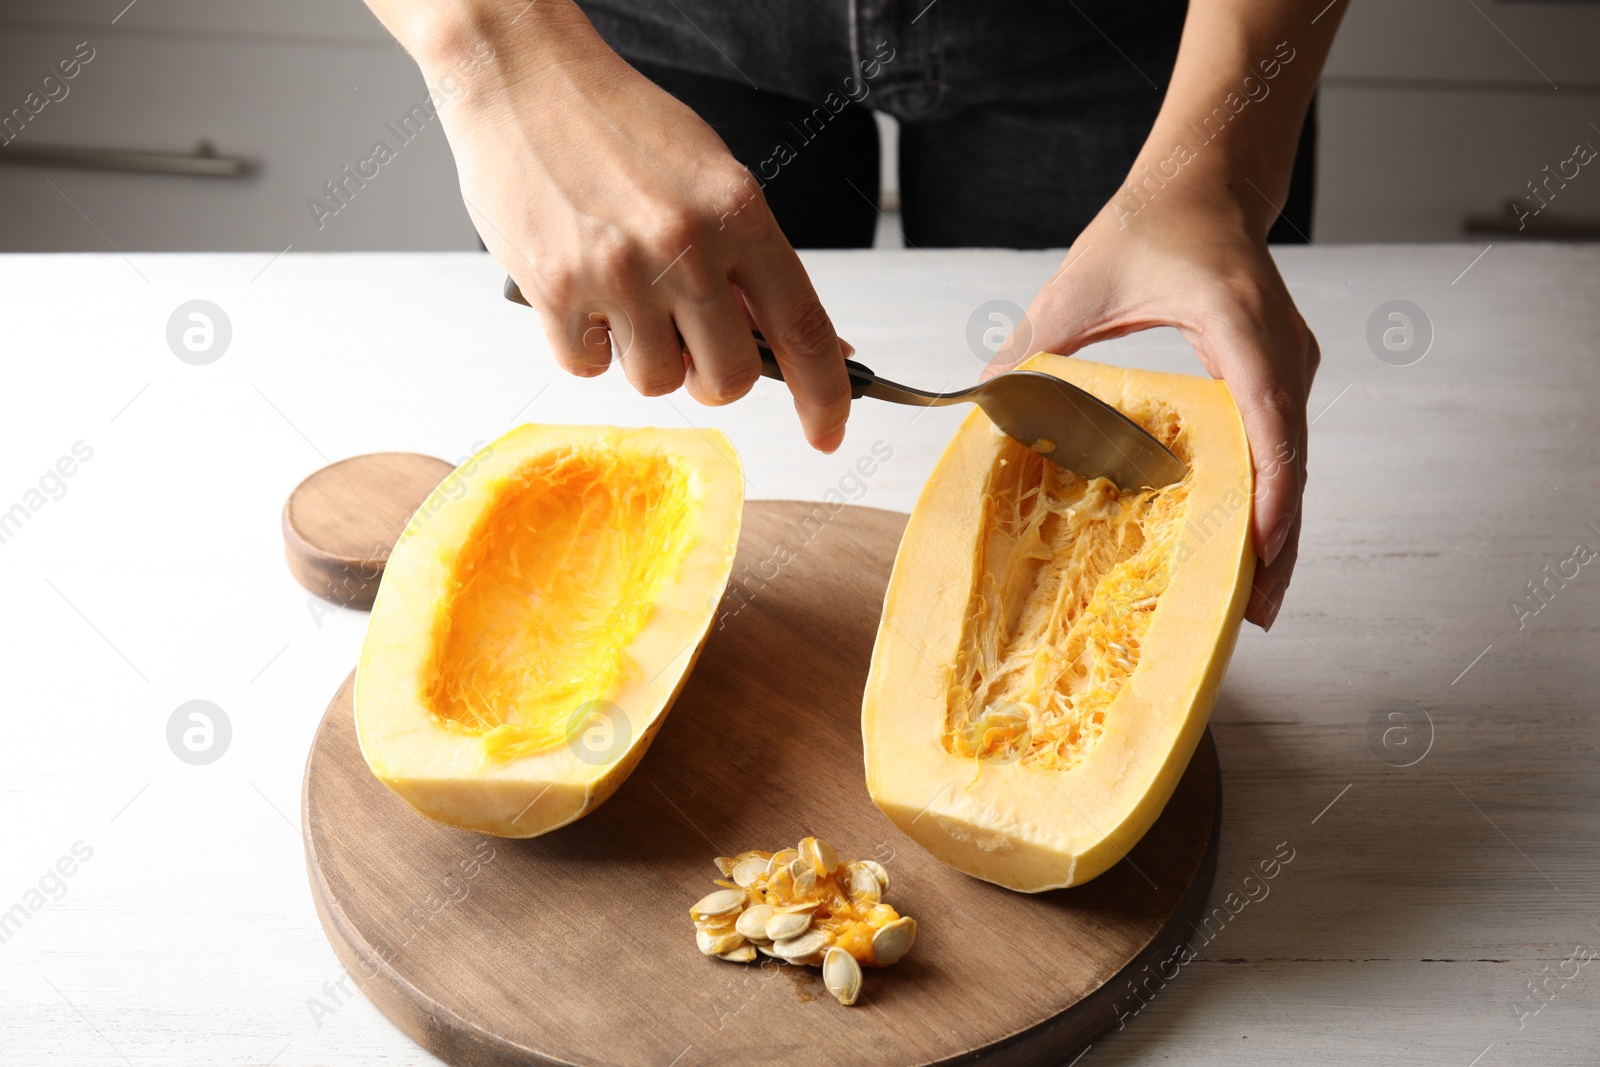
(501, 41)
(1173, 177)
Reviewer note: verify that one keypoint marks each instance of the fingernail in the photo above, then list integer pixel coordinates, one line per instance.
(848, 348)
(1274, 604)
(1275, 539)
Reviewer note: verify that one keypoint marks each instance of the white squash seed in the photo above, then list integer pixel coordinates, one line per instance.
(787, 924)
(752, 922)
(842, 975)
(894, 941)
(722, 902)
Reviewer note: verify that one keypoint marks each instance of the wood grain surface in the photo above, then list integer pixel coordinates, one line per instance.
(576, 947)
(340, 523)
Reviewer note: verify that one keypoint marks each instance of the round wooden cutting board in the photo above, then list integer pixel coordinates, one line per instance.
(340, 523)
(576, 947)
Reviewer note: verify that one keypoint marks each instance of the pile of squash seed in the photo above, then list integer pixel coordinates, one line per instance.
(802, 906)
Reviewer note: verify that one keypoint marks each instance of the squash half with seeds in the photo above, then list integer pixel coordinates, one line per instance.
(1050, 646)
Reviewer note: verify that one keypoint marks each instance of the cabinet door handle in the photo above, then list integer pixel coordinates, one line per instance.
(203, 162)
(1554, 226)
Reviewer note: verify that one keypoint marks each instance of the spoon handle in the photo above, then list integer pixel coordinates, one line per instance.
(863, 382)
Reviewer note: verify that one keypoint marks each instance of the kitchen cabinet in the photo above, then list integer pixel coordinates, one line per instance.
(298, 110)
(1437, 113)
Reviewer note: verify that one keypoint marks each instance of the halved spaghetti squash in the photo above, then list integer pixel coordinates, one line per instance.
(1051, 646)
(538, 618)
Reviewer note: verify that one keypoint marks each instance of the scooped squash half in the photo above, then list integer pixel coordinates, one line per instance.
(538, 618)
(1051, 647)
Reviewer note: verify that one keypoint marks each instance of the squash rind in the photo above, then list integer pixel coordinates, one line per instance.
(1013, 824)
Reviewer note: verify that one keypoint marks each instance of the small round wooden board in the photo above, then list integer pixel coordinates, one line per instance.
(576, 947)
(340, 523)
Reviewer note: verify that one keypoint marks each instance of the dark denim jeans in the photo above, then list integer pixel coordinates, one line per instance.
(1018, 118)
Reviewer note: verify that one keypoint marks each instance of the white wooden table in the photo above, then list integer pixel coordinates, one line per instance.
(1428, 911)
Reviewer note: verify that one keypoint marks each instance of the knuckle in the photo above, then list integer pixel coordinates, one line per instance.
(808, 337)
(568, 360)
(558, 287)
(734, 191)
(614, 261)
(730, 176)
(669, 233)
(656, 385)
(747, 216)
(579, 367)
(1278, 401)
(729, 385)
(657, 376)
(581, 361)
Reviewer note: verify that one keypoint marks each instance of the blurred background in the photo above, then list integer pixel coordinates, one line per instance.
(194, 125)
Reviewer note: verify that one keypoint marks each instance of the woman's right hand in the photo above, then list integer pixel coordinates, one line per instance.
(620, 214)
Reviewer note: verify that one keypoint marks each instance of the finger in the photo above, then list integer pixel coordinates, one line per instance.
(802, 337)
(723, 362)
(652, 359)
(579, 339)
(846, 347)
(1272, 406)
(1271, 580)
(578, 331)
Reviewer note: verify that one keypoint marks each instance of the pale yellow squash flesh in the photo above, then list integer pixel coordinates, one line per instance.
(538, 618)
(1051, 647)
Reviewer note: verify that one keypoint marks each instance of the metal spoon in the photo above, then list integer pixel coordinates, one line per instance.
(1065, 424)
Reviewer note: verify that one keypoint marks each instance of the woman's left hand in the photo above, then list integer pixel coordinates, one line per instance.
(1198, 265)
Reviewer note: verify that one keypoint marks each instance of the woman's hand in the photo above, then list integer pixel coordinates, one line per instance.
(621, 215)
(1184, 245)
(1195, 261)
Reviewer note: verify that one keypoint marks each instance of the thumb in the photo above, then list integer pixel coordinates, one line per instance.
(1017, 346)
(1066, 315)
